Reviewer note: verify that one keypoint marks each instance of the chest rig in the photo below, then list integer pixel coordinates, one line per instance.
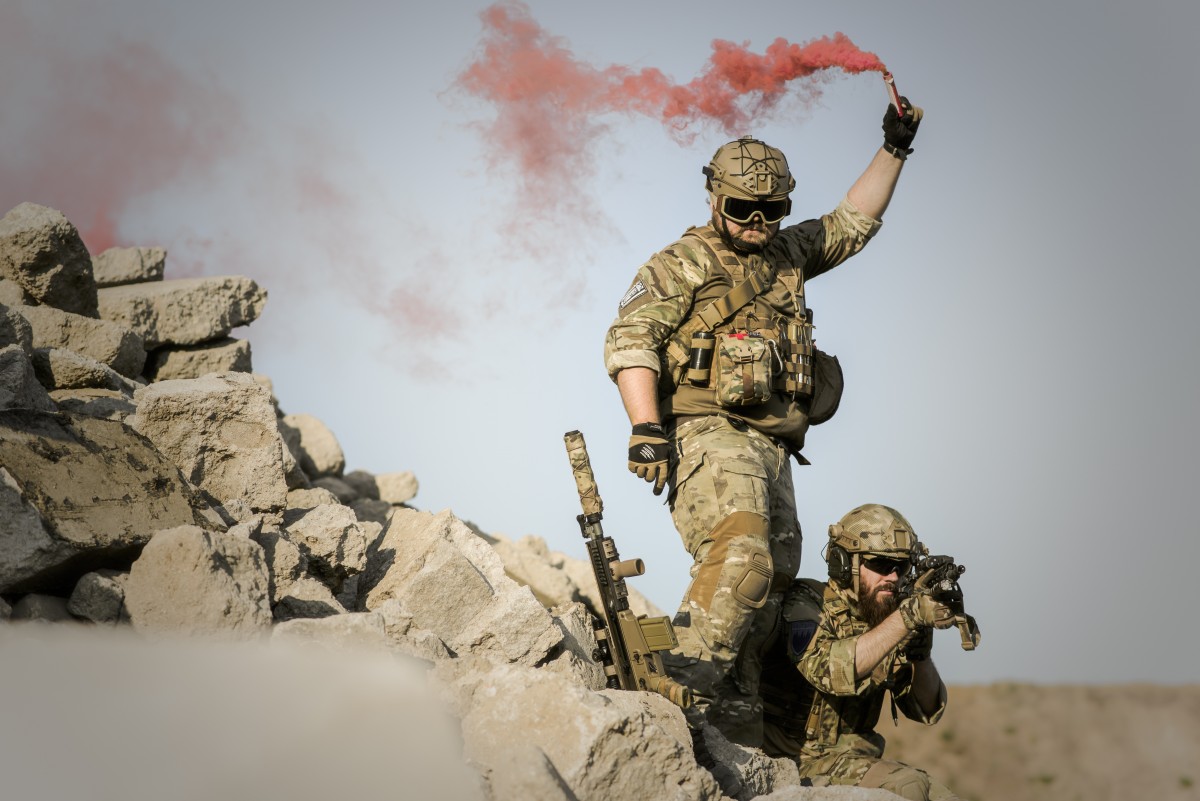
(751, 313)
(831, 716)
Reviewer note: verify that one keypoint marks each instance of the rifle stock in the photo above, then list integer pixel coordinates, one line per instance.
(628, 644)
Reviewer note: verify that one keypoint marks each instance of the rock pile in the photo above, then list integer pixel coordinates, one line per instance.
(149, 481)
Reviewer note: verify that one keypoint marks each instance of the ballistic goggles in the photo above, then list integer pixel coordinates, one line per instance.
(741, 211)
(884, 565)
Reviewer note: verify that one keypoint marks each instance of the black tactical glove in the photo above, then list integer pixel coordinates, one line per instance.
(898, 132)
(650, 454)
(919, 645)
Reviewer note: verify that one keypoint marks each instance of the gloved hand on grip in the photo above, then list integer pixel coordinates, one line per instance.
(650, 454)
(919, 609)
(898, 132)
(919, 645)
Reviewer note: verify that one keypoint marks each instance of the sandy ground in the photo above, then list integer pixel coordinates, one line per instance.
(1021, 742)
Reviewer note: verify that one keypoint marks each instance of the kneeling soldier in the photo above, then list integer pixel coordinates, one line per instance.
(841, 645)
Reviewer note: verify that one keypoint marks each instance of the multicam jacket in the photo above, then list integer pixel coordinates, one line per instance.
(812, 701)
(677, 283)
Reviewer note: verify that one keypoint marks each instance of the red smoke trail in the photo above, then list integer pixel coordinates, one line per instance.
(547, 100)
(97, 131)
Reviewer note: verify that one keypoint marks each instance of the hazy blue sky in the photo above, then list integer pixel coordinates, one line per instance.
(1018, 340)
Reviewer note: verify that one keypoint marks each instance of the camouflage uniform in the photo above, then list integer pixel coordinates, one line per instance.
(818, 713)
(731, 491)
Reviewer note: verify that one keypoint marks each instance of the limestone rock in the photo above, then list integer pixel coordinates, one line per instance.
(357, 629)
(109, 404)
(453, 584)
(220, 430)
(41, 608)
(11, 294)
(331, 539)
(80, 493)
(285, 563)
(41, 251)
(397, 488)
(184, 311)
(527, 561)
(190, 581)
(15, 329)
(601, 746)
(310, 498)
(409, 638)
(110, 343)
(367, 510)
(306, 598)
(99, 596)
(747, 773)
(295, 477)
(344, 493)
(5, 610)
(320, 454)
(117, 266)
(363, 483)
(227, 355)
(57, 368)
(576, 654)
(19, 385)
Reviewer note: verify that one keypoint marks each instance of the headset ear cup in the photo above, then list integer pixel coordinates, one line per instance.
(839, 565)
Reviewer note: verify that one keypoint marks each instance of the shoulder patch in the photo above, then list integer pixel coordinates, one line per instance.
(800, 634)
(636, 291)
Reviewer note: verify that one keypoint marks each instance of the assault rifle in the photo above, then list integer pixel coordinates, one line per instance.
(627, 645)
(938, 576)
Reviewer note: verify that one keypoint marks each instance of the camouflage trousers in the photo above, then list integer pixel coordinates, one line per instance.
(733, 503)
(861, 764)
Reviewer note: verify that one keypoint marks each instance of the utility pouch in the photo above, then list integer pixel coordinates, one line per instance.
(827, 387)
(742, 370)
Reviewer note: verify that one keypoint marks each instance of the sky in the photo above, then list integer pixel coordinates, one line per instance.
(445, 237)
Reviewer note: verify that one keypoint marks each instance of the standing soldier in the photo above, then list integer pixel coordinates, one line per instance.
(842, 646)
(712, 354)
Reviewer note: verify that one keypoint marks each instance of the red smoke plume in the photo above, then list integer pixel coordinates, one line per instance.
(546, 100)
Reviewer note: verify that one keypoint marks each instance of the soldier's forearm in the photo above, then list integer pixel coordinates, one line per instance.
(927, 688)
(877, 643)
(639, 392)
(872, 192)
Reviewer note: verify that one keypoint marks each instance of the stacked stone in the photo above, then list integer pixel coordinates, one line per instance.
(149, 480)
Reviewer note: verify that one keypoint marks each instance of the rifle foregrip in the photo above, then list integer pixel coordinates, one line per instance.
(673, 691)
(585, 481)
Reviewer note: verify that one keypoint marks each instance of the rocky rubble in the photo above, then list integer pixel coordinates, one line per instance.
(151, 485)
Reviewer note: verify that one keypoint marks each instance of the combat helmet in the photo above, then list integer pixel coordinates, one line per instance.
(750, 170)
(872, 529)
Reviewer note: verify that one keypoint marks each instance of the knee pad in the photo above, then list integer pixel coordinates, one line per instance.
(743, 535)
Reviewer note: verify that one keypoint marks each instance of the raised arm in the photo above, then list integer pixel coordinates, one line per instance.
(872, 192)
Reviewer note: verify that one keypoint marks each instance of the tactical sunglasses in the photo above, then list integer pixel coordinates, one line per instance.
(884, 566)
(740, 210)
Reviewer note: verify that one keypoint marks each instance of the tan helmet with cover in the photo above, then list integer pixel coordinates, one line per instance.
(751, 169)
(872, 529)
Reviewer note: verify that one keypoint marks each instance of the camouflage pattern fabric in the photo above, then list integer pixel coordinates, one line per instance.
(866, 768)
(733, 502)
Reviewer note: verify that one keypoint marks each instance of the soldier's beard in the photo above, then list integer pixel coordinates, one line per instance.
(874, 609)
(739, 243)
